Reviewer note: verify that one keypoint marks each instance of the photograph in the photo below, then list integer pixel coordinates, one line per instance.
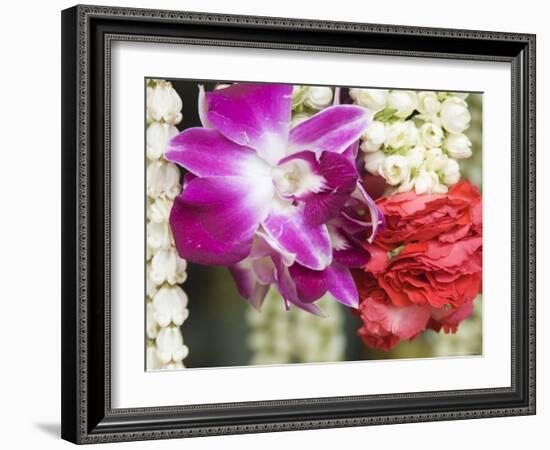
(279, 223)
(292, 224)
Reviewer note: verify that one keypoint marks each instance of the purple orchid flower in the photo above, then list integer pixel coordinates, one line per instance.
(260, 196)
(300, 286)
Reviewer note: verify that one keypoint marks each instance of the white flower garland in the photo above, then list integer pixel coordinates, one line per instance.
(278, 336)
(420, 153)
(166, 300)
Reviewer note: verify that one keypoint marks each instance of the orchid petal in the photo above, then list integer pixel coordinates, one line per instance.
(326, 187)
(339, 173)
(259, 294)
(247, 284)
(337, 93)
(244, 277)
(197, 215)
(287, 226)
(351, 153)
(308, 156)
(265, 245)
(333, 129)
(354, 257)
(341, 285)
(254, 115)
(313, 284)
(310, 284)
(376, 217)
(207, 153)
(347, 249)
(187, 178)
(264, 270)
(340, 179)
(202, 108)
(287, 288)
(322, 207)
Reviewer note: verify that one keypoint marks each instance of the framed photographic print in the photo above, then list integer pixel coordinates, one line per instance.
(282, 224)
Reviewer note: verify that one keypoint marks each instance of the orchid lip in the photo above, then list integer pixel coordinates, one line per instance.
(337, 241)
(295, 178)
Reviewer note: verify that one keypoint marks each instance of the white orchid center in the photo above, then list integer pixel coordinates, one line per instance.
(295, 178)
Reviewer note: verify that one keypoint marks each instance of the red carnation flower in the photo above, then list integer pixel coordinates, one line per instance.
(384, 324)
(425, 267)
(418, 218)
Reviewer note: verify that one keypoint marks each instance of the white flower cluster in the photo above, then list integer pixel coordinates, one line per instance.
(415, 138)
(166, 300)
(307, 100)
(278, 336)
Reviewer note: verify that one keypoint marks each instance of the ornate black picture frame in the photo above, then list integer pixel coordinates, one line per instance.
(87, 35)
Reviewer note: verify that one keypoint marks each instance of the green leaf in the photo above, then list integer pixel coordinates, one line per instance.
(385, 115)
(395, 252)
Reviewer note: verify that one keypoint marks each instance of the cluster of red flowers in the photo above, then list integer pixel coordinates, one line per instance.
(425, 267)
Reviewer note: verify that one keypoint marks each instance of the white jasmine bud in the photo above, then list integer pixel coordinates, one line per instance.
(167, 266)
(159, 236)
(454, 115)
(373, 99)
(153, 363)
(169, 306)
(416, 155)
(451, 172)
(152, 326)
(440, 188)
(401, 134)
(458, 146)
(170, 345)
(434, 160)
(428, 103)
(298, 118)
(405, 186)
(431, 135)
(158, 136)
(162, 179)
(163, 103)
(374, 136)
(373, 161)
(394, 169)
(424, 182)
(318, 97)
(404, 103)
(159, 210)
(174, 365)
(150, 285)
(462, 95)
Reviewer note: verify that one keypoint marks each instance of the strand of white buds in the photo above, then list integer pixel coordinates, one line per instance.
(278, 336)
(415, 138)
(166, 300)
